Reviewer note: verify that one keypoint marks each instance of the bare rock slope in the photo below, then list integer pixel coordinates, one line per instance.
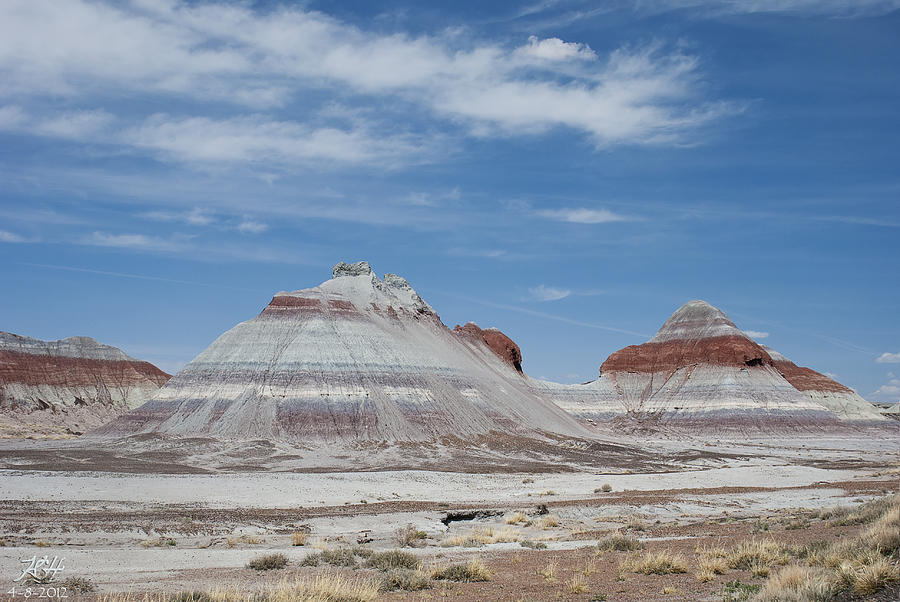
(701, 372)
(53, 388)
(355, 359)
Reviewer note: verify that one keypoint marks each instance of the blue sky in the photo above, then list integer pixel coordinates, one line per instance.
(567, 173)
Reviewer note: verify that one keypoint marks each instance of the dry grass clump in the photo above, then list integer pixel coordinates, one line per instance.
(549, 571)
(619, 542)
(655, 563)
(472, 571)
(796, 583)
(324, 588)
(268, 562)
(867, 577)
(758, 552)
(546, 493)
(243, 539)
(409, 536)
(865, 564)
(533, 545)
(518, 518)
(549, 521)
(576, 584)
(394, 559)
(299, 538)
(482, 536)
(710, 566)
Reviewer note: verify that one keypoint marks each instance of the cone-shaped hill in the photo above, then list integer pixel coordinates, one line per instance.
(356, 359)
(701, 372)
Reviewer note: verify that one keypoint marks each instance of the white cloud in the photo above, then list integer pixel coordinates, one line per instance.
(888, 358)
(194, 217)
(548, 293)
(10, 237)
(554, 49)
(755, 334)
(262, 59)
(890, 390)
(69, 124)
(249, 226)
(139, 242)
(582, 216)
(257, 139)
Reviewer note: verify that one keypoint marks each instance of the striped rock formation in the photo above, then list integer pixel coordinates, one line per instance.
(699, 372)
(841, 400)
(355, 359)
(57, 387)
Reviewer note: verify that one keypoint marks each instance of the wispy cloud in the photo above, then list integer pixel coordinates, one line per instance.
(11, 237)
(888, 358)
(267, 60)
(249, 226)
(548, 293)
(755, 334)
(194, 217)
(889, 391)
(130, 276)
(138, 242)
(582, 216)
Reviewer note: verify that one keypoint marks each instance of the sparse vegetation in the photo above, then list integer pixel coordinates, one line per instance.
(159, 542)
(549, 521)
(472, 571)
(406, 580)
(548, 492)
(268, 562)
(394, 559)
(299, 538)
(549, 571)
(533, 545)
(482, 536)
(527, 480)
(735, 591)
(606, 488)
(243, 539)
(518, 518)
(662, 562)
(796, 582)
(409, 536)
(576, 584)
(619, 543)
(636, 523)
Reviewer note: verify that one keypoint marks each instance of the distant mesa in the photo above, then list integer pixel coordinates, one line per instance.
(357, 359)
(62, 388)
(701, 372)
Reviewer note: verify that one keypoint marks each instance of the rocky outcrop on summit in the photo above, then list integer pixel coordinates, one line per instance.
(699, 372)
(53, 388)
(356, 359)
(505, 348)
(841, 400)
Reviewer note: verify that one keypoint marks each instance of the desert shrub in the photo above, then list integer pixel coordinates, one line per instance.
(619, 542)
(656, 563)
(339, 557)
(299, 538)
(159, 542)
(394, 559)
(409, 536)
(865, 513)
(79, 585)
(268, 562)
(405, 580)
(549, 571)
(796, 523)
(472, 571)
(796, 583)
(606, 488)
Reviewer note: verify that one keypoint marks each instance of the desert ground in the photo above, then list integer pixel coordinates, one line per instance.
(576, 533)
